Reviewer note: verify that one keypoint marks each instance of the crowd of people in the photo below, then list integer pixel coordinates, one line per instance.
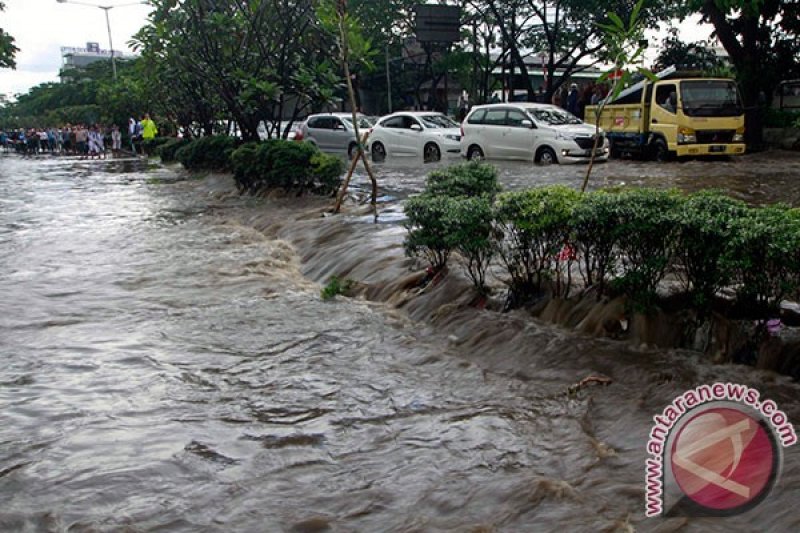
(86, 141)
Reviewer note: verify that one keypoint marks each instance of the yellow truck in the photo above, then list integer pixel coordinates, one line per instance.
(675, 116)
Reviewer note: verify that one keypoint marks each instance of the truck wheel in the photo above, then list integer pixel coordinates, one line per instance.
(660, 150)
(546, 156)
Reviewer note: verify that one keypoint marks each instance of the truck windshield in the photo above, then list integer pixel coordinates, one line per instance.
(710, 98)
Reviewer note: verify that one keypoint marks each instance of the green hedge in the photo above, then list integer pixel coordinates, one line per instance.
(622, 242)
(289, 165)
(208, 153)
(152, 145)
(455, 213)
(168, 150)
(535, 229)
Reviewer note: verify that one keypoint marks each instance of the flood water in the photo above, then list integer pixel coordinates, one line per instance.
(764, 177)
(164, 366)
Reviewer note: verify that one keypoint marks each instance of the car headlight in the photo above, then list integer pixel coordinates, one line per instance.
(565, 136)
(452, 137)
(686, 136)
(738, 137)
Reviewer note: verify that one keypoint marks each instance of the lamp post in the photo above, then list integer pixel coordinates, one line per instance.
(108, 24)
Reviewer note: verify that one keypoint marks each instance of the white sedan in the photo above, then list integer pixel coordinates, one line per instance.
(414, 134)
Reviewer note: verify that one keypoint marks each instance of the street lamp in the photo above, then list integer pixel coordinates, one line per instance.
(108, 24)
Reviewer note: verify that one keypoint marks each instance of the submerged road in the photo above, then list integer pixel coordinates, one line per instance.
(165, 367)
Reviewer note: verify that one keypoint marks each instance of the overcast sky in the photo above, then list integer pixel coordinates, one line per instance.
(42, 27)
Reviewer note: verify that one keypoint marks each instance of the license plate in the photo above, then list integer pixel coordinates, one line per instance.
(716, 149)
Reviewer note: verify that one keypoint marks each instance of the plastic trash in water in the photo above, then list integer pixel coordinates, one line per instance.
(774, 326)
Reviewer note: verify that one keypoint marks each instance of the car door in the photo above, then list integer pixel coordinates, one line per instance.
(494, 133)
(520, 136)
(473, 131)
(390, 134)
(413, 139)
(318, 128)
(340, 135)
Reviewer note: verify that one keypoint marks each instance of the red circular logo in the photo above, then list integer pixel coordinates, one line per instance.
(724, 459)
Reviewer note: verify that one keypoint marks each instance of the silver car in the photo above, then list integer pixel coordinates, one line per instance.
(333, 132)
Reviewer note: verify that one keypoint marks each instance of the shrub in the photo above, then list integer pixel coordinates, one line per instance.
(594, 237)
(535, 231)
(430, 228)
(152, 145)
(335, 287)
(472, 236)
(326, 173)
(208, 153)
(466, 179)
(705, 226)
(763, 254)
(646, 238)
(290, 162)
(247, 167)
(289, 165)
(167, 150)
(455, 213)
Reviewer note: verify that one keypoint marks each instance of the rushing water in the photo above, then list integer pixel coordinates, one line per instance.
(164, 366)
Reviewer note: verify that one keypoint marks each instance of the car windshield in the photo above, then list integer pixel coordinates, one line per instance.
(554, 116)
(437, 121)
(363, 122)
(710, 98)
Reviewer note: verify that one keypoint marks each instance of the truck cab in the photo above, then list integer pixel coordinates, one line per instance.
(675, 117)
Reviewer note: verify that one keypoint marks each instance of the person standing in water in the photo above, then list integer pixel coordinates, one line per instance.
(149, 132)
(116, 141)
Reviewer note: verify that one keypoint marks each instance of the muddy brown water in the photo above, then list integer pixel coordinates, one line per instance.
(166, 364)
(756, 178)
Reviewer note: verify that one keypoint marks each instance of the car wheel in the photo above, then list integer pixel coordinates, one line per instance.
(431, 153)
(474, 153)
(378, 152)
(352, 150)
(546, 156)
(660, 150)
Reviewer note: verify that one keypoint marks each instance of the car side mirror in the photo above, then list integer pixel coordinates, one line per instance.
(415, 127)
(338, 127)
(528, 124)
(673, 100)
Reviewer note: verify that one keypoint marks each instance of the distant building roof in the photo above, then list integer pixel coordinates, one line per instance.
(74, 57)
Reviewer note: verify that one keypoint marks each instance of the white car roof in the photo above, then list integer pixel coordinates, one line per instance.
(336, 114)
(519, 105)
(414, 114)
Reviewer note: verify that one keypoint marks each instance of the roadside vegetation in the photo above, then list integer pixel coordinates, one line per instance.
(258, 167)
(553, 242)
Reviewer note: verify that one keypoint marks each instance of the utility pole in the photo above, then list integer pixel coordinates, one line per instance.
(388, 80)
(108, 24)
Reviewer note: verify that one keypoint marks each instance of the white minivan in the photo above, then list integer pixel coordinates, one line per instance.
(541, 133)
